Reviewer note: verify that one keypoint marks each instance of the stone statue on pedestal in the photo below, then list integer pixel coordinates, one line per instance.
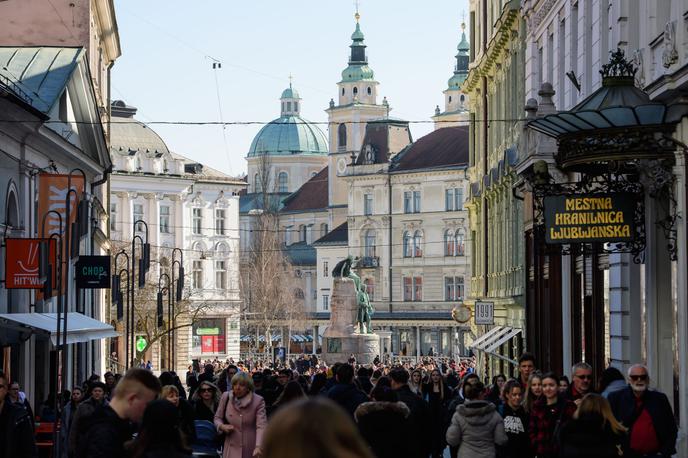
(350, 330)
(343, 269)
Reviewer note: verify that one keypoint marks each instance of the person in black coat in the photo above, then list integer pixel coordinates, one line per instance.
(184, 411)
(437, 395)
(593, 432)
(159, 436)
(16, 429)
(647, 414)
(344, 392)
(384, 423)
(419, 419)
(515, 422)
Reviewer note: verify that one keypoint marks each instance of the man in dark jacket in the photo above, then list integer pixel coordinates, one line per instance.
(420, 412)
(110, 426)
(344, 392)
(16, 430)
(581, 383)
(647, 414)
(84, 410)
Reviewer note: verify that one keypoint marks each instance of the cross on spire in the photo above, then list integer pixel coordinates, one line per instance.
(463, 20)
(357, 15)
(291, 78)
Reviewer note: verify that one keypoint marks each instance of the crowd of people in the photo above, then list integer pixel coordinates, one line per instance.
(253, 409)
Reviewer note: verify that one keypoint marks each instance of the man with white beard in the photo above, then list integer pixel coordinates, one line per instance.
(648, 416)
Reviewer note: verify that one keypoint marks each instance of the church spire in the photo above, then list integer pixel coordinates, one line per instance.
(290, 101)
(461, 67)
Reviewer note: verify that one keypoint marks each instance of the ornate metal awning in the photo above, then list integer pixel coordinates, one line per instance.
(616, 123)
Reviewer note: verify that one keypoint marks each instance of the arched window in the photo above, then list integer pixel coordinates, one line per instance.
(407, 245)
(460, 245)
(282, 180)
(449, 243)
(369, 243)
(355, 90)
(343, 91)
(450, 99)
(462, 98)
(417, 244)
(341, 135)
(296, 106)
(256, 183)
(370, 91)
(12, 210)
(221, 250)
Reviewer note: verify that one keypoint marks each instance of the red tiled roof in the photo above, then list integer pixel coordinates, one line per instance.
(446, 147)
(312, 195)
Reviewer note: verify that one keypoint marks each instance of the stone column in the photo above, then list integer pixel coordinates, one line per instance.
(566, 313)
(624, 311)
(315, 339)
(417, 342)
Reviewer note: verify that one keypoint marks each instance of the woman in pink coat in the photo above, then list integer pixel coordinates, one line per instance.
(241, 418)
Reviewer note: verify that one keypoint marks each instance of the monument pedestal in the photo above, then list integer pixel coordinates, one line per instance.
(341, 338)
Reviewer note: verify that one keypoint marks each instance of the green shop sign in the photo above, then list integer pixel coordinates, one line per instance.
(93, 272)
(208, 331)
(141, 344)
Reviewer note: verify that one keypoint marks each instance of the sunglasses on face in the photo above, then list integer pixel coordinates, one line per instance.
(206, 390)
(635, 378)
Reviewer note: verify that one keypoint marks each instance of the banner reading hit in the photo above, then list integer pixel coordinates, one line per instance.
(584, 218)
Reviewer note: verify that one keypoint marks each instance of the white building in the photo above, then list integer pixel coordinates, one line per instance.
(188, 206)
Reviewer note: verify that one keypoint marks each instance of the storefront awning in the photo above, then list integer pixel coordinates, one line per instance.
(480, 341)
(512, 332)
(80, 328)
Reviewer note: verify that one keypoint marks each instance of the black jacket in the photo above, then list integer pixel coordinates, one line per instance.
(105, 436)
(586, 438)
(419, 422)
(657, 405)
(347, 396)
(385, 427)
(16, 436)
(516, 429)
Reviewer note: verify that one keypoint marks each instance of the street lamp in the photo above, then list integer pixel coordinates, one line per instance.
(177, 297)
(144, 266)
(161, 311)
(117, 298)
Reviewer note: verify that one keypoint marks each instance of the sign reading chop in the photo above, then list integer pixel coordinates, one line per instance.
(590, 218)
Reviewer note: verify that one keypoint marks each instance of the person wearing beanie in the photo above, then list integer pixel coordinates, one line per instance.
(95, 398)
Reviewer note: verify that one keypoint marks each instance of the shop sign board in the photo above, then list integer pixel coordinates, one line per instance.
(93, 272)
(21, 263)
(484, 313)
(586, 218)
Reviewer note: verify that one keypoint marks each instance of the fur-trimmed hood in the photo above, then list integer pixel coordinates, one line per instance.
(397, 408)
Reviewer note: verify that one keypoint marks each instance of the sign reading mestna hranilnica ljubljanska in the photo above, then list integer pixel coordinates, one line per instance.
(583, 218)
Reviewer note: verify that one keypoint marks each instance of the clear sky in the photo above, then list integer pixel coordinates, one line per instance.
(168, 47)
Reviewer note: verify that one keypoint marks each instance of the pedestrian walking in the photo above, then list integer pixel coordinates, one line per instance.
(109, 426)
(16, 430)
(456, 401)
(314, 427)
(206, 399)
(184, 413)
(494, 392)
(526, 366)
(548, 416)
(611, 380)
(68, 412)
(533, 391)
(95, 398)
(581, 382)
(648, 416)
(515, 422)
(159, 435)
(594, 432)
(18, 397)
(241, 419)
(419, 420)
(383, 423)
(292, 391)
(416, 382)
(436, 394)
(344, 392)
(476, 427)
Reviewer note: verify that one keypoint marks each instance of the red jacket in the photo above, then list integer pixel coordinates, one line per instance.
(543, 421)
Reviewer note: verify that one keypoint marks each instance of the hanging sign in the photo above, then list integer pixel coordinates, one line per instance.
(484, 312)
(21, 263)
(141, 344)
(93, 272)
(585, 218)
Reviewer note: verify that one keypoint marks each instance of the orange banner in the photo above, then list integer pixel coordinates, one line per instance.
(52, 195)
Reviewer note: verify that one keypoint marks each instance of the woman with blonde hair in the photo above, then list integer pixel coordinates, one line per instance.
(313, 428)
(593, 432)
(416, 382)
(241, 418)
(533, 391)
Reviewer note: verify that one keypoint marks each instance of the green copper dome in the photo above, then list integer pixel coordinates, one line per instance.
(456, 81)
(358, 69)
(357, 73)
(290, 93)
(288, 135)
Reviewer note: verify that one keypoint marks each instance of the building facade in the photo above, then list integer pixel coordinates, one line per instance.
(495, 89)
(190, 207)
